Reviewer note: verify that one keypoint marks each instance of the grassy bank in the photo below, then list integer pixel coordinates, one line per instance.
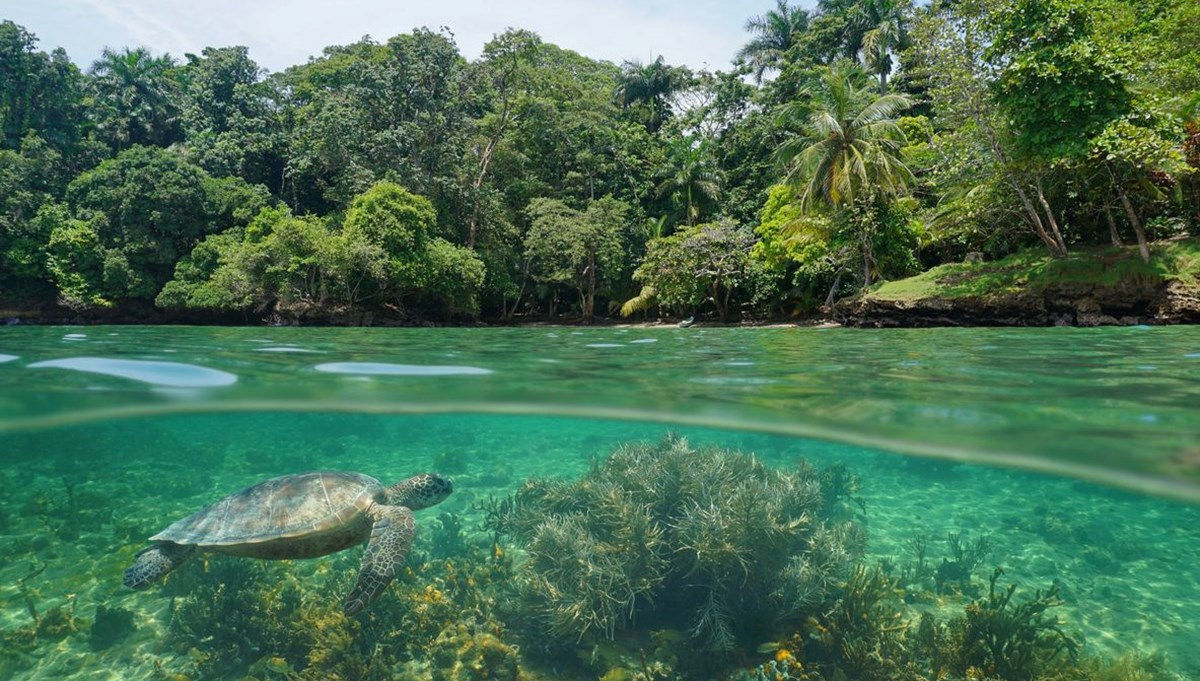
(1033, 271)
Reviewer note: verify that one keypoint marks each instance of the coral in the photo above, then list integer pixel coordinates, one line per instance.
(233, 612)
(861, 634)
(1011, 641)
(461, 654)
(704, 540)
(438, 621)
(954, 574)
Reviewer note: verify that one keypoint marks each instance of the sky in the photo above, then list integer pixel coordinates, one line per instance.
(282, 33)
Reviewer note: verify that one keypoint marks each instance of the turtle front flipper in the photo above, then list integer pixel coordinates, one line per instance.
(153, 563)
(391, 538)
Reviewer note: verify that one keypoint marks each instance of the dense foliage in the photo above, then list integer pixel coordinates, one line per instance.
(851, 143)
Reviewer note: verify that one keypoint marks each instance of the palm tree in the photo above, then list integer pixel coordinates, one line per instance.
(888, 32)
(690, 179)
(849, 156)
(133, 97)
(651, 85)
(775, 32)
(872, 30)
(851, 149)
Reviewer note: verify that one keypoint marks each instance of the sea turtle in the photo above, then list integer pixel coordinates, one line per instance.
(302, 516)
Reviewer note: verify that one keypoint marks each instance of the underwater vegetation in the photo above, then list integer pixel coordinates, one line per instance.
(666, 561)
(663, 562)
(702, 540)
(241, 619)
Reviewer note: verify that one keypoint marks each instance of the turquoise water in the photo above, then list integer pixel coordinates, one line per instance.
(1073, 452)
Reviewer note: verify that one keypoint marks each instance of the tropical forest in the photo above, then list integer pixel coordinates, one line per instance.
(1013, 161)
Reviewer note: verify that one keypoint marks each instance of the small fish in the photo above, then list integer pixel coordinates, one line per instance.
(768, 647)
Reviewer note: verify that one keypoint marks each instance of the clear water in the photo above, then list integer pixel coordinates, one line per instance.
(1077, 452)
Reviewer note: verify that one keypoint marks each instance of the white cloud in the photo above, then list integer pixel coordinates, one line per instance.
(281, 33)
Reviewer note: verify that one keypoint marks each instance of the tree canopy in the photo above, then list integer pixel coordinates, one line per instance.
(850, 142)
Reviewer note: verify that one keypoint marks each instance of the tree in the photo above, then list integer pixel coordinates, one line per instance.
(148, 207)
(851, 146)
(27, 182)
(382, 255)
(134, 99)
(701, 264)
(582, 250)
(388, 233)
(505, 72)
(229, 118)
(888, 33)
(1056, 83)
(850, 156)
(977, 145)
(691, 179)
(39, 92)
(368, 112)
(775, 32)
(1133, 151)
(649, 87)
(399, 224)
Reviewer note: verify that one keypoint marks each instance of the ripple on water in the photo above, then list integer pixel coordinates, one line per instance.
(385, 369)
(732, 380)
(286, 348)
(7, 358)
(168, 374)
(644, 340)
(605, 345)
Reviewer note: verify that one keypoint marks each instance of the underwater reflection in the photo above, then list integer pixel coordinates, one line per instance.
(167, 374)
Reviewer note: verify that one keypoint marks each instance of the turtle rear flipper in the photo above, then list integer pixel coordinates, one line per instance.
(391, 538)
(152, 564)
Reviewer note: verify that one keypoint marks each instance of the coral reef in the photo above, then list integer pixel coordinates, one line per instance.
(703, 540)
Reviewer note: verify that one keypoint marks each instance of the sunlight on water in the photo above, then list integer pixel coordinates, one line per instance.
(171, 374)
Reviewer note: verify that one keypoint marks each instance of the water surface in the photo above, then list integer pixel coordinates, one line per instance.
(110, 433)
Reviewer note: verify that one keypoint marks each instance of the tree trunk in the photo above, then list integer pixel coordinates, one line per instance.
(837, 282)
(1112, 227)
(589, 303)
(1136, 222)
(1058, 238)
(714, 292)
(868, 256)
(485, 160)
(521, 291)
(1036, 221)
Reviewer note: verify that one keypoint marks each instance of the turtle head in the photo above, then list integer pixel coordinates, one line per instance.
(420, 491)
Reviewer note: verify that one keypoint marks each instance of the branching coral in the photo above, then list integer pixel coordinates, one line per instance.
(1010, 640)
(703, 540)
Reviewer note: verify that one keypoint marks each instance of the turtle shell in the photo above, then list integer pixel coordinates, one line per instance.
(300, 505)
